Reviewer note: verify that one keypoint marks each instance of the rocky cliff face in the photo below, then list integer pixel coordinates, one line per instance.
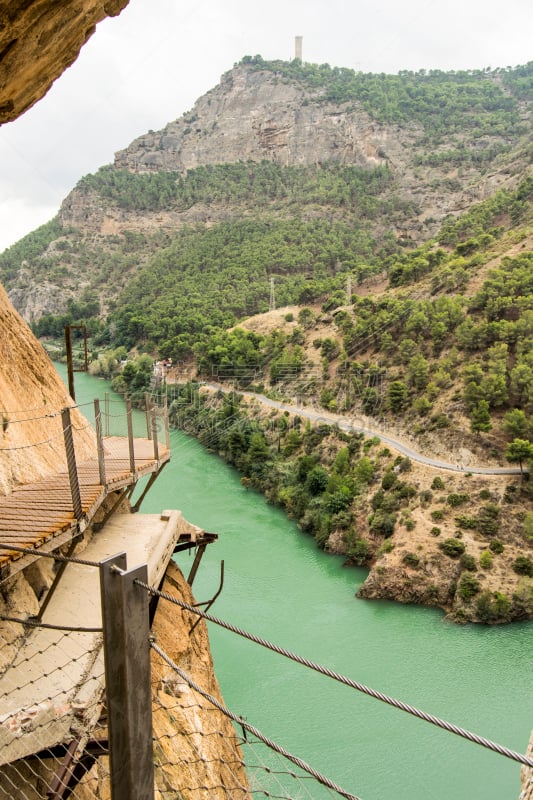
(38, 41)
(256, 114)
(253, 115)
(31, 398)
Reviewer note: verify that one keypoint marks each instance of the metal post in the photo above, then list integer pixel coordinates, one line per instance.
(167, 430)
(129, 419)
(71, 464)
(70, 366)
(153, 414)
(125, 619)
(106, 406)
(147, 406)
(99, 441)
(196, 563)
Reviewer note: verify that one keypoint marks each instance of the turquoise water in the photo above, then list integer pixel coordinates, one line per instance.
(281, 587)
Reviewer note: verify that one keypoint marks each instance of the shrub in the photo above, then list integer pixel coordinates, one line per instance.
(317, 480)
(484, 494)
(452, 547)
(464, 521)
(485, 560)
(435, 531)
(523, 566)
(388, 480)
(510, 494)
(437, 514)
(496, 546)
(468, 562)
(338, 501)
(527, 530)
(455, 499)
(426, 497)
(405, 465)
(438, 483)
(411, 560)
(493, 607)
(358, 552)
(468, 587)
(386, 547)
(383, 523)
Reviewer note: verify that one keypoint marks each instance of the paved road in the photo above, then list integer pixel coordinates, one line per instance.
(359, 426)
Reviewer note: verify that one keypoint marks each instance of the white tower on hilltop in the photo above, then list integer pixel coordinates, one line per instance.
(298, 48)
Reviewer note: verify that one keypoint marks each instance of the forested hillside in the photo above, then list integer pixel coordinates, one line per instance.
(166, 260)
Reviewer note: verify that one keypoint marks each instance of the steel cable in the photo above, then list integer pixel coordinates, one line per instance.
(251, 729)
(360, 687)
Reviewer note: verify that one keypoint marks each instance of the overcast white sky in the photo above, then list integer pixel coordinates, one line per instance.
(147, 66)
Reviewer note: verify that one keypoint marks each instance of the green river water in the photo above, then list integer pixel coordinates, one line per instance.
(281, 587)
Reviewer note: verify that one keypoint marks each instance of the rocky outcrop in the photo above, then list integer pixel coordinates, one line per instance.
(38, 299)
(254, 115)
(38, 41)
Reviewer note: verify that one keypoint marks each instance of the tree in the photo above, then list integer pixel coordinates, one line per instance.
(418, 371)
(480, 417)
(519, 450)
(515, 424)
(397, 395)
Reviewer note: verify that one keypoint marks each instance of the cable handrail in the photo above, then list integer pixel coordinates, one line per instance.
(252, 729)
(360, 687)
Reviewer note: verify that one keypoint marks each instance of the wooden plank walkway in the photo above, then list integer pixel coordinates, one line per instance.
(41, 514)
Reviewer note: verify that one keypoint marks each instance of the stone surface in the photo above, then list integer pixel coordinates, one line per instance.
(31, 398)
(526, 775)
(38, 41)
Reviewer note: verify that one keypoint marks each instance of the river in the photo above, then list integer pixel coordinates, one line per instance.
(281, 587)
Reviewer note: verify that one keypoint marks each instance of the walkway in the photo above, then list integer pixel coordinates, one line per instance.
(53, 690)
(43, 515)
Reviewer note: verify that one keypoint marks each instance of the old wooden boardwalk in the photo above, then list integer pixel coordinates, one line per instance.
(44, 515)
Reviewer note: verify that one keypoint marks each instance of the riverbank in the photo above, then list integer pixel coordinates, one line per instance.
(431, 533)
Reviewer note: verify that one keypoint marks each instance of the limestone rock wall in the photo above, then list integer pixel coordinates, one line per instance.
(31, 398)
(253, 115)
(38, 41)
(526, 775)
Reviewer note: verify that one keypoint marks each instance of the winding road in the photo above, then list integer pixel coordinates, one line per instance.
(360, 425)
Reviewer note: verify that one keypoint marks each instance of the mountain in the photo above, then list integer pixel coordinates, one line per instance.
(380, 159)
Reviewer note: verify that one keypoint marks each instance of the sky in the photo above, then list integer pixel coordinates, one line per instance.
(150, 64)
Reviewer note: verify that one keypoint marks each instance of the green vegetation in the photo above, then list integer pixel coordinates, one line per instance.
(449, 339)
(468, 587)
(444, 103)
(246, 184)
(452, 547)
